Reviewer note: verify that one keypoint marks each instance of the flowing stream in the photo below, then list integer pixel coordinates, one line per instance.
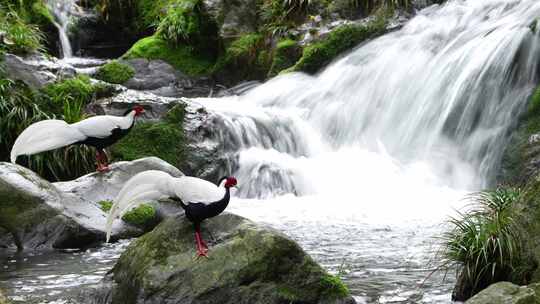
(362, 163)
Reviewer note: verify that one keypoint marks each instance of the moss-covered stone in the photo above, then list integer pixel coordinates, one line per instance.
(247, 264)
(115, 72)
(246, 58)
(507, 293)
(522, 154)
(344, 38)
(286, 54)
(163, 139)
(182, 57)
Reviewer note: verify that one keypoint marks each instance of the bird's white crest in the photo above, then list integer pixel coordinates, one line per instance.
(52, 134)
(152, 185)
(43, 136)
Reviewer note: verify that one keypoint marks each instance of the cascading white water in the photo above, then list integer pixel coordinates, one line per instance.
(63, 10)
(364, 161)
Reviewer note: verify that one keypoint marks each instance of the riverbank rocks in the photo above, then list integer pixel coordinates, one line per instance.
(36, 214)
(161, 78)
(507, 293)
(248, 263)
(36, 70)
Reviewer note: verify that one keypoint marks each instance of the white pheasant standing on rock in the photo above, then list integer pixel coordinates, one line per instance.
(199, 198)
(99, 131)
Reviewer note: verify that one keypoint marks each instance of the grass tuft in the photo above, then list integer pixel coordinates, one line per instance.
(484, 243)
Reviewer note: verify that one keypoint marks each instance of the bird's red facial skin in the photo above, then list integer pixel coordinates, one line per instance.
(138, 110)
(231, 182)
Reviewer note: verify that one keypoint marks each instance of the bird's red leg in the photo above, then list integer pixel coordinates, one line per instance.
(100, 157)
(98, 161)
(105, 158)
(202, 250)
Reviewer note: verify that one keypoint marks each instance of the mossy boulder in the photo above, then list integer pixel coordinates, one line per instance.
(246, 58)
(286, 54)
(37, 214)
(248, 264)
(320, 53)
(521, 158)
(183, 57)
(115, 72)
(164, 139)
(144, 215)
(507, 293)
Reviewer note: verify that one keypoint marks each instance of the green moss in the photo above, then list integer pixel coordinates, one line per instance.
(319, 54)
(182, 57)
(105, 205)
(286, 54)
(519, 152)
(140, 216)
(115, 72)
(333, 287)
(246, 58)
(161, 139)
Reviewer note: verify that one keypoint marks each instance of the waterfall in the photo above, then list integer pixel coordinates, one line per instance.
(364, 161)
(444, 90)
(63, 11)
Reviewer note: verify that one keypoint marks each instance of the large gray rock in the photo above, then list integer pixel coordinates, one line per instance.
(36, 70)
(507, 293)
(248, 264)
(162, 79)
(234, 17)
(37, 214)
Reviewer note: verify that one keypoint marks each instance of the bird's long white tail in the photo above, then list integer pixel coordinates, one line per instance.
(143, 187)
(43, 136)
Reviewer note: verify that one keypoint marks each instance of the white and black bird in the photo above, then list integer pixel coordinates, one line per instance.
(199, 198)
(99, 131)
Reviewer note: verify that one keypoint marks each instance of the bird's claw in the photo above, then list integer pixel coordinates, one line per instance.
(103, 169)
(202, 253)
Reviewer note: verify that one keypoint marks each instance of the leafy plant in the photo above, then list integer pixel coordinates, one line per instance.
(17, 36)
(484, 243)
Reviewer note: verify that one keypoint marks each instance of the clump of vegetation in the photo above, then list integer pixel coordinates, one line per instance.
(319, 54)
(16, 35)
(333, 287)
(164, 139)
(140, 216)
(187, 22)
(105, 205)
(182, 57)
(485, 243)
(115, 72)
(245, 58)
(286, 54)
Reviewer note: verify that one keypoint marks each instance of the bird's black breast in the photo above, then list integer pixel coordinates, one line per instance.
(197, 212)
(102, 143)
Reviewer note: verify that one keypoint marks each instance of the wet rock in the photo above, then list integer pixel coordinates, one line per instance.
(248, 264)
(162, 79)
(507, 293)
(40, 215)
(36, 70)
(234, 17)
